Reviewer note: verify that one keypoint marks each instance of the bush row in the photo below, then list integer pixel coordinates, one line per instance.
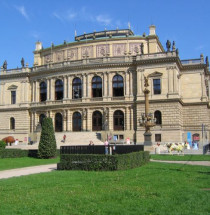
(18, 153)
(102, 162)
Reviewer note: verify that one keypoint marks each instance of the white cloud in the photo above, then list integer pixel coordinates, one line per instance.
(22, 11)
(104, 19)
(56, 15)
(85, 16)
(71, 15)
(200, 47)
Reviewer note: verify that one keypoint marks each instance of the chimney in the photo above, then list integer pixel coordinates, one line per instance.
(152, 30)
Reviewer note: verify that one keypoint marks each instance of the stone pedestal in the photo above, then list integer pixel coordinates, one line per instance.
(147, 138)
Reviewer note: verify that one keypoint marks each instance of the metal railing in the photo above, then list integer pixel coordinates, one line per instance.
(100, 149)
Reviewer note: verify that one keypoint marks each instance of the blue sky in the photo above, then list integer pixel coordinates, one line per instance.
(23, 22)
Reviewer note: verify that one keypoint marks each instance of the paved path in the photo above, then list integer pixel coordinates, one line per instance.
(197, 163)
(50, 167)
(27, 171)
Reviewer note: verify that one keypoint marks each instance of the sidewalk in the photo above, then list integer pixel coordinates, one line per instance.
(27, 171)
(50, 167)
(196, 163)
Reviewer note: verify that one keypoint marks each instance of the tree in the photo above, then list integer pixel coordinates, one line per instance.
(47, 144)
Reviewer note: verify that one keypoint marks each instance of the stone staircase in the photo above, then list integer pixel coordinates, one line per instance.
(77, 138)
(72, 138)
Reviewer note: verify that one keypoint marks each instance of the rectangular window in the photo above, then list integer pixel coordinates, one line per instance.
(156, 86)
(13, 97)
(157, 137)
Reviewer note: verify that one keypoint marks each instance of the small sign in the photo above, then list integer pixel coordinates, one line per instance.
(189, 138)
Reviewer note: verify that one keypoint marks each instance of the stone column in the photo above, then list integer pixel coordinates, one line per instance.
(105, 84)
(84, 90)
(70, 87)
(22, 92)
(203, 86)
(109, 86)
(131, 83)
(34, 122)
(2, 93)
(127, 113)
(48, 89)
(126, 83)
(110, 119)
(175, 81)
(87, 87)
(138, 84)
(64, 120)
(88, 124)
(170, 80)
(52, 89)
(33, 91)
(26, 91)
(64, 87)
(131, 118)
(68, 120)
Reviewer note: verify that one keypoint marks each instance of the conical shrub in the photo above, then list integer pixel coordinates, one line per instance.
(47, 144)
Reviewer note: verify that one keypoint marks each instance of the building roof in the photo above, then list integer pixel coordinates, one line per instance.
(105, 34)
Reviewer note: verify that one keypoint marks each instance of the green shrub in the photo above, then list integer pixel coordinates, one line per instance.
(102, 162)
(47, 144)
(13, 153)
(2, 144)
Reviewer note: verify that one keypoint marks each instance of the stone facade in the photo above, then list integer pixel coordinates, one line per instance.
(182, 95)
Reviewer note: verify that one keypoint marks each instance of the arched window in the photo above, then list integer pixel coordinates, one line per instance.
(58, 122)
(158, 117)
(77, 88)
(118, 86)
(43, 92)
(59, 90)
(12, 123)
(118, 120)
(97, 121)
(77, 121)
(41, 118)
(97, 86)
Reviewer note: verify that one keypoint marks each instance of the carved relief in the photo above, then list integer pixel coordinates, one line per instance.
(118, 49)
(47, 58)
(87, 51)
(134, 48)
(72, 54)
(102, 50)
(59, 56)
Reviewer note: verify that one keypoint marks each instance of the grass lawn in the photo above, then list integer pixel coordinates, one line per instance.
(12, 163)
(181, 157)
(156, 188)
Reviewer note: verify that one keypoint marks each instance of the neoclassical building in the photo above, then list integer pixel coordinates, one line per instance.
(96, 84)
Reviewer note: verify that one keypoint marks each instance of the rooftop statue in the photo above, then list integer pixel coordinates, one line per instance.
(168, 45)
(174, 46)
(142, 48)
(207, 61)
(146, 81)
(5, 65)
(22, 62)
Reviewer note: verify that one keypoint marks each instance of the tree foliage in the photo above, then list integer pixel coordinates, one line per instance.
(47, 144)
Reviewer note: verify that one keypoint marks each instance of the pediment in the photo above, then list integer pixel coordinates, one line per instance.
(12, 87)
(155, 74)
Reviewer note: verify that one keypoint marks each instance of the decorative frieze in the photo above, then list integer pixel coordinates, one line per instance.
(102, 50)
(72, 54)
(87, 51)
(119, 49)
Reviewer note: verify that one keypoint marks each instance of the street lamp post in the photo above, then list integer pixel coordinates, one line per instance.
(147, 120)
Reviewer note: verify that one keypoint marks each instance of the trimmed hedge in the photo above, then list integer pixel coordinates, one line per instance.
(18, 153)
(2, 144)
(102, 162)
